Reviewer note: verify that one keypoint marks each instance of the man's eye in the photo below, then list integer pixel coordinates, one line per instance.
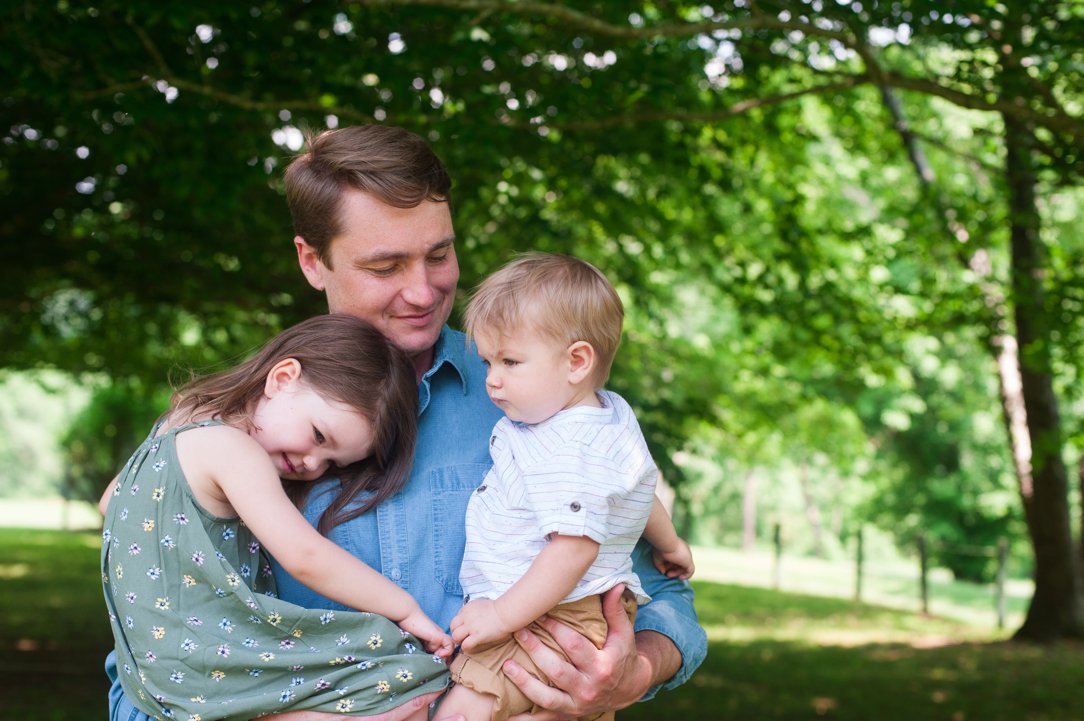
(437, 259)
(383, 270)
(317, 436)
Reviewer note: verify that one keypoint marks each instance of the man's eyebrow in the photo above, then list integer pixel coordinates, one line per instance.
(383, 256)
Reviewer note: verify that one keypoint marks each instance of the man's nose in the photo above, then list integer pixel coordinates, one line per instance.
(417, 290)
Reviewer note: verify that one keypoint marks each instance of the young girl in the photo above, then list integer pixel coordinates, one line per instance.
(199, 634)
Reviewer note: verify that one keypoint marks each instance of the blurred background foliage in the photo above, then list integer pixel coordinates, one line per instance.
(807, 207)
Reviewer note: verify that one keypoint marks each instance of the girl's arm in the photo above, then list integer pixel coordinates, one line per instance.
(225, 466)
(671, 554)
(103, 504)
(552, 575)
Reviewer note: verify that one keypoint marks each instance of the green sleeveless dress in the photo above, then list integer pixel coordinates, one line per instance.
(199, 634)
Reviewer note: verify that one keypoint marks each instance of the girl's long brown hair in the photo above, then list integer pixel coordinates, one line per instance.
(344, 359)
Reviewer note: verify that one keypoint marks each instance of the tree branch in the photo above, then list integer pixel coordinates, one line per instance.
(1056, 120)
(566, 16)
(739, 108)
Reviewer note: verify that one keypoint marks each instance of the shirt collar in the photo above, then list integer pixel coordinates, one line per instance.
(450, 350)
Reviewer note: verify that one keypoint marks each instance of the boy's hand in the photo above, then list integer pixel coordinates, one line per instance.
(478, 623)
(676, 562)
(435, 640)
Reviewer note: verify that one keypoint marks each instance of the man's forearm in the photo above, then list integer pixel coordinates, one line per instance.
(660, 654)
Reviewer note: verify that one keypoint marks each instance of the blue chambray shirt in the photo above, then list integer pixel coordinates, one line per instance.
(416, 538)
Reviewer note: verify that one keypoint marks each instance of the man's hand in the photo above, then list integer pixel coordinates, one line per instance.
(479, 623)
(592, 680)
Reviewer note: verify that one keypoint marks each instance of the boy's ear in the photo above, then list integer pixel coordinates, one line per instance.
(282, 376)
(581, 361)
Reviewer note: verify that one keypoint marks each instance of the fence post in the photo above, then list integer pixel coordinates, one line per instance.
(777, 542)
(858, 568)
(1002, 564)
(923, 564)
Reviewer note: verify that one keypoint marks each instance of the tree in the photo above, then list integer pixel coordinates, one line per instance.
(688, 149)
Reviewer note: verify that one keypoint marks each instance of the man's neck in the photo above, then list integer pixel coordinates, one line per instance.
(423, 362)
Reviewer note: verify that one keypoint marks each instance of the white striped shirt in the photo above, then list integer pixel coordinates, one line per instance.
(583, 472)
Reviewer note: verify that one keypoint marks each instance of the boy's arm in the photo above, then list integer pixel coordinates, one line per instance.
(667, 647)
(672, 555)
(659, 530)
(551, 576)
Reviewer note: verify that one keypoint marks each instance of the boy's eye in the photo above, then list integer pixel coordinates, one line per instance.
(510, 363)
(317, 435)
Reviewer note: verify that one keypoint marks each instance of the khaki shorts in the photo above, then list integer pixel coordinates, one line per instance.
(481, 670)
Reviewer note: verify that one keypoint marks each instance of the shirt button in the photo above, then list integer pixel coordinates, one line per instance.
(395, 574)
(482, 488)
(492, 440)
(575, 506)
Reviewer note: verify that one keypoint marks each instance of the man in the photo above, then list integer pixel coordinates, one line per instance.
(373, 231)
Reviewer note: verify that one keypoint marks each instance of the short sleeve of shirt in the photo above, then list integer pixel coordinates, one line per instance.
(571, 493)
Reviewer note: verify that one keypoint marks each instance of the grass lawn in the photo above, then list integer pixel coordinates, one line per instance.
(772, 655)
(54, 632)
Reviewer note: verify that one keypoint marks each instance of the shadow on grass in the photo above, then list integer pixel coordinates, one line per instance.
(788, 656)
(54, 632)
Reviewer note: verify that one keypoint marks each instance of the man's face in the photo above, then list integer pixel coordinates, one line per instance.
(393, 267)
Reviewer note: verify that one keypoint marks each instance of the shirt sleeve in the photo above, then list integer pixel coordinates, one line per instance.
(571, 494)
(671, 613)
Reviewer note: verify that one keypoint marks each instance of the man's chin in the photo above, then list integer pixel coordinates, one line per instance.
(416, 341)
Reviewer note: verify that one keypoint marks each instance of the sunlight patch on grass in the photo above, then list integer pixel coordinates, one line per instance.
(11, 571)
(50, 513)
(891, 583)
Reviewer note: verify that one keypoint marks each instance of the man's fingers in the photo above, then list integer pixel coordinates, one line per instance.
(617, 621)
(548, 697)
(540, 716)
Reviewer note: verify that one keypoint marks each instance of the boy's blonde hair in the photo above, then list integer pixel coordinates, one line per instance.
(557, 296)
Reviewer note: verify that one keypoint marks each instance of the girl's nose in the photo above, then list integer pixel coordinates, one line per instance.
(314, 465)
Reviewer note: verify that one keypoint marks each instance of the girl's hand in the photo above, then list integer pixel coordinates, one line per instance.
(435, 640)
(676, 562)
(477, 624)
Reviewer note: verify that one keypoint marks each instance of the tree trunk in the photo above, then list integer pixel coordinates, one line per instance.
(1055, 609)
(1030, 409)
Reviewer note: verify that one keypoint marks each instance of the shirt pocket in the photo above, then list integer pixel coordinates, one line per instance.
(451, 488)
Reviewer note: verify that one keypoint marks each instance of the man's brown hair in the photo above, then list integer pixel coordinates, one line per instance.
(393, 165)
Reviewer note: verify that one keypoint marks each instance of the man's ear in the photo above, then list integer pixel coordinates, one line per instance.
(310, 263)
(283, 375)
(581, 361)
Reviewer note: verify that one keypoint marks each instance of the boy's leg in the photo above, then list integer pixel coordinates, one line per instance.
(466, 702)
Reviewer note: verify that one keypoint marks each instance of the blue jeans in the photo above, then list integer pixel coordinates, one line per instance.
(120, 708)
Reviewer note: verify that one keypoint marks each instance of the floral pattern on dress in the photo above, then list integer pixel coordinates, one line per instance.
(182, 596)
